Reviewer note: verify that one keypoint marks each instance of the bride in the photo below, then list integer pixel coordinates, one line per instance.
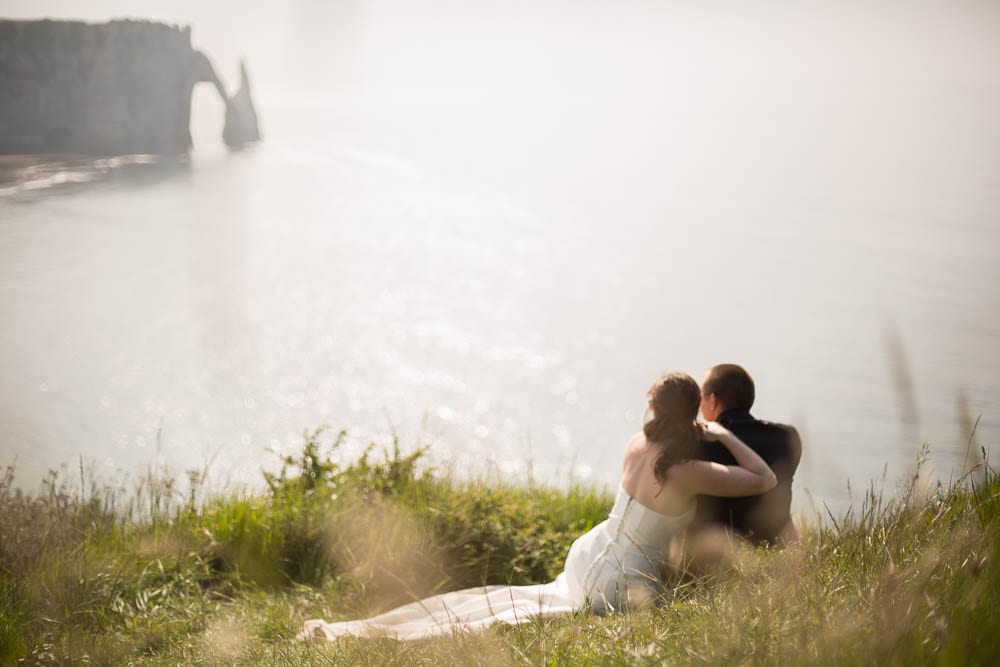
(615, 565)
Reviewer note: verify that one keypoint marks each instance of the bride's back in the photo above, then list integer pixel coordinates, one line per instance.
(670, 437)
(639, 479)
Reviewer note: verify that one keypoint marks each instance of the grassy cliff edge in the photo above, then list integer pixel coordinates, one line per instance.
(89, 574)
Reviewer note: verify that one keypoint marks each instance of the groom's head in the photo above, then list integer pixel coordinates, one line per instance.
(726, 387)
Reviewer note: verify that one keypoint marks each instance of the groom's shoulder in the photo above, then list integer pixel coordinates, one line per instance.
(749, 424)
(768, 438)
(777, 427)
(788, 432)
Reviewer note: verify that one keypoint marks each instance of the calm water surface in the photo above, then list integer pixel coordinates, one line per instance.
(503, 279)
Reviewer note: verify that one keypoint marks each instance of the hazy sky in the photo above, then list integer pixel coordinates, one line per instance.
(558, 43)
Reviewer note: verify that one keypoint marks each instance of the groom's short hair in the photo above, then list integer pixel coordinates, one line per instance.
(732, 386)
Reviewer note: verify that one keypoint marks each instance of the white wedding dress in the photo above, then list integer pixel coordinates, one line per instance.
(614, 566)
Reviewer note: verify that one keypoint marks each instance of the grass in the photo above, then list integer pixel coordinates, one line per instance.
(92, 574)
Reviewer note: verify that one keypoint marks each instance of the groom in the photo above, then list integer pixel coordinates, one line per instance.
(727, 394)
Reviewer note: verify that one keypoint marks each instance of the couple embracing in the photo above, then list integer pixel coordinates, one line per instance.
(682, 480)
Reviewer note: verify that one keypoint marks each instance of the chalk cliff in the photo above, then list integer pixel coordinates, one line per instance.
(106, 89)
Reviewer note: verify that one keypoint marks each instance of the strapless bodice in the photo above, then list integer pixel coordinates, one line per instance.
(642, 526)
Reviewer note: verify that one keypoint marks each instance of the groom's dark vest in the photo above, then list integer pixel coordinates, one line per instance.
(760, 518)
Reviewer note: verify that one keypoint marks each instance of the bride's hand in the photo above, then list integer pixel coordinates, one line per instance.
(713, 431)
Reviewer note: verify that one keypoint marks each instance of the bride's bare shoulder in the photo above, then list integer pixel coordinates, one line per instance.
(637, 441)
(637, 447)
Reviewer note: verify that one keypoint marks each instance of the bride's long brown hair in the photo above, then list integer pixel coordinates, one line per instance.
(675, 399)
